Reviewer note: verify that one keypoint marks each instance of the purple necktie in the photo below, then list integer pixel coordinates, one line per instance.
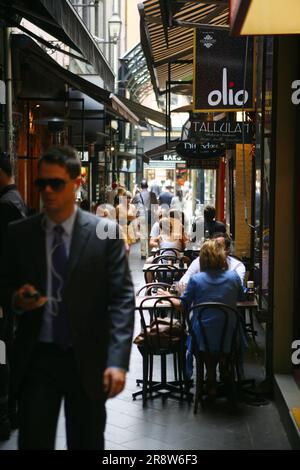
(59, 268)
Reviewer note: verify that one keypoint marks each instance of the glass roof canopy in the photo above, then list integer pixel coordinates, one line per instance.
(136, 74)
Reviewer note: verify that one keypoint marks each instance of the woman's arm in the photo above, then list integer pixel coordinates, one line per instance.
(188, 296)
(154, 242)
(175, 301)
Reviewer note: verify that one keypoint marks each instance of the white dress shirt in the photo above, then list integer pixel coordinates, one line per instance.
(46, 333)
(233, 265)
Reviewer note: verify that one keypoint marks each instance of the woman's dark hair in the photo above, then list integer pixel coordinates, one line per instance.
(65, 156)
(209, 213)
(227, 240)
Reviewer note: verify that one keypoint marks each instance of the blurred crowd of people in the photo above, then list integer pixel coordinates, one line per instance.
(155, 217)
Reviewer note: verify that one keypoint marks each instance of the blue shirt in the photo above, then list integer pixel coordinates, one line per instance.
(212, 286)
(46, 334)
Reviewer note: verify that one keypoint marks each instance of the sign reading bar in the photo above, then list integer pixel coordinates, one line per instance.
(219, 72)
(188, 149)
(225, 132)
(167, 158)
(203, 163)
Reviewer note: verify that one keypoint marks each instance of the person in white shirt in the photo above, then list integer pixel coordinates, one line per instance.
(234, 264)
(178, 201)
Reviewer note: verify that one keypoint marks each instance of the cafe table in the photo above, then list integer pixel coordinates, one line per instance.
(250, 307)
(179, 268)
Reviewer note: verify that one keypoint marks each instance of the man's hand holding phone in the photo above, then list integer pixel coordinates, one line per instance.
(28, 298)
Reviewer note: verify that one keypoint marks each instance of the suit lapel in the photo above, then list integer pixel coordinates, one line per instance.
(80, 235)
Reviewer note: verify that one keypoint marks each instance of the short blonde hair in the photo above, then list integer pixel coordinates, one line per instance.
(212, 256)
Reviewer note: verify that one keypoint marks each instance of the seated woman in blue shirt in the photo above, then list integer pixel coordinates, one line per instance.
(213, 284)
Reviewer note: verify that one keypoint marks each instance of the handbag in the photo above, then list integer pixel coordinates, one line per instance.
(160, 333)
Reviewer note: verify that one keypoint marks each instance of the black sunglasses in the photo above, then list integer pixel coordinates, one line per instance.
(56, 184)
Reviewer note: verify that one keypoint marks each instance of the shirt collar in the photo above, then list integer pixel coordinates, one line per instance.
(67, 224)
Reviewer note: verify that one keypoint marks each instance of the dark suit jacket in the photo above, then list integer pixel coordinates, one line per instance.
(215, 226)
(98, 292)
(12, 208)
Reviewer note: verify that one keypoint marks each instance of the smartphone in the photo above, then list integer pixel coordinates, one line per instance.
(32, 295)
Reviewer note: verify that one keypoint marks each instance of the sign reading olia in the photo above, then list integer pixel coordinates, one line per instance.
(227, 95)
(223, 72)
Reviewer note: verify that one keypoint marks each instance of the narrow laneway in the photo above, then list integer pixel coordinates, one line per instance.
(172, 425)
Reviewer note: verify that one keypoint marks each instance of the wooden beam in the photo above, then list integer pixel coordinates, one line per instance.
(187, 24)
(164, 11)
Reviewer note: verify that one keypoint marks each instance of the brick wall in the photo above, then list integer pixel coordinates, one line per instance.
(242, 231)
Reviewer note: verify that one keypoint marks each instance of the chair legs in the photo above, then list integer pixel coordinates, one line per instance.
(212, 387)
(178, 388)
(199, 381)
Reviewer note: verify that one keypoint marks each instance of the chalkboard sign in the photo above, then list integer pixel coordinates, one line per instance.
(222, 132)
(187, 149)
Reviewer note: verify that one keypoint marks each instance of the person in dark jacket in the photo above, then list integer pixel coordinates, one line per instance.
(12, 208)
(210, 224)
(166, 196)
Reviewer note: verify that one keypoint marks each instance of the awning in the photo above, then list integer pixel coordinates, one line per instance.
(119, 106)
(59, 19)
(173, 42)
(183, 109)
(160, 150)
(145, 114)
(136, 76)
(115, 105)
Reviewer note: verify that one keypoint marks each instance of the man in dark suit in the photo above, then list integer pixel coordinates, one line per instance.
(73, 292)
(12, 208)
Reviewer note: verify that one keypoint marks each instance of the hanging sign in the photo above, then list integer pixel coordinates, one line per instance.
(188, 149)
(167, 158)
(172, 158)
(225, 132)
(219, 61)
(203, 163)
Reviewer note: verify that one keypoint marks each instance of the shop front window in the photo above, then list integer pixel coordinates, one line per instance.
(266, 164)
(261, 214)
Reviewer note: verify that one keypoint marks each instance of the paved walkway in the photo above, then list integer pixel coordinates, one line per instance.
(173, 426)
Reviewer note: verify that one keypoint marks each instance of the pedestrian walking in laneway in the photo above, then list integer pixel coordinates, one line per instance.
(12, 208)
(74, 297)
